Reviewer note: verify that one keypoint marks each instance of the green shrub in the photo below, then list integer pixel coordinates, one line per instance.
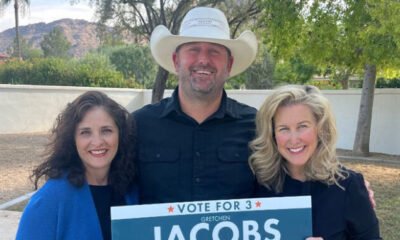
(14, 72)
(294, 71)
(134, 62)
(325, 84)
(388, 83)
(48, 71)
(93, 70)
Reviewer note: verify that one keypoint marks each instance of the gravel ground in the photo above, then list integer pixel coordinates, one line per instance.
(20, 153)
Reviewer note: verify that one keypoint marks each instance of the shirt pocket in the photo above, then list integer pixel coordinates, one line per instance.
(158, 168)
(230, 154)
(234, 168)
(159, 155)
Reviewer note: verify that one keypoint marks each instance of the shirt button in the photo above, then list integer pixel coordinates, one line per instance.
(197, 154)
(197, 180)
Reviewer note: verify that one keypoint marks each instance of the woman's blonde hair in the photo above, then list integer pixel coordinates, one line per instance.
(267, 163)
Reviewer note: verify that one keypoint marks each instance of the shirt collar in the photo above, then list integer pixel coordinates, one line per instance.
(172, 104)
(227, 107)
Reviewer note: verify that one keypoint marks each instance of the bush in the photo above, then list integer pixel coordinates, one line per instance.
(325, 84)
(14, 71)
(388, 83)
(134, 62)
(294, 71)
(93, 71)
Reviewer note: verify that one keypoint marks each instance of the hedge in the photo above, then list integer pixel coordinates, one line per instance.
(91, 71)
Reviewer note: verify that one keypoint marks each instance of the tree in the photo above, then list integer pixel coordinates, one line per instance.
(27, 51)
(345, 34)
(380, 47)
(293, 71)
(141, 17)
(55, 44)
(19, 5)
(135, 62)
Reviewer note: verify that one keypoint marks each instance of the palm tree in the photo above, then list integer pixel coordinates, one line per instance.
(18, 4)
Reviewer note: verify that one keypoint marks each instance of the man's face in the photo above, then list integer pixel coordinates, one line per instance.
(202, 67)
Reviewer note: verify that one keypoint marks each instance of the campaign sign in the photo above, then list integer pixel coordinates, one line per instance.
(244, 219)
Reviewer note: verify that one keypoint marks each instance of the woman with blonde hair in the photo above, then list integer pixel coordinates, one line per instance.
(294, 153)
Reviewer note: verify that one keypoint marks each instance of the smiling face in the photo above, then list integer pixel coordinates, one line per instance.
(202, 67)
(296, 136)
(96, 139)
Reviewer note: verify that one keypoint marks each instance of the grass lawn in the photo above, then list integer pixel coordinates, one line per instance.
(385, 181)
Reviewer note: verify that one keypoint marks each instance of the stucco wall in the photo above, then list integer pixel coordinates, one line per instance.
(30, 109)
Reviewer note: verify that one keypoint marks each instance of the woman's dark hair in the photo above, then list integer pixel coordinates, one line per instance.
(62, 156)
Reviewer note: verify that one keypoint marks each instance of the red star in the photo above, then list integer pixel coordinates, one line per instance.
(171, 209)
(258, 204)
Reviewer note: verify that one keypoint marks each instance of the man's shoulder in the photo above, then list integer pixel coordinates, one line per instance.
(241, 108)
(152, 109)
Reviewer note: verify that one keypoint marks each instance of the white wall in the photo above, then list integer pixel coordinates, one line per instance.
(385, 129)
(30, 109)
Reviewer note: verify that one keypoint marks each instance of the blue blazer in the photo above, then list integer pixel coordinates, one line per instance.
(60, 210)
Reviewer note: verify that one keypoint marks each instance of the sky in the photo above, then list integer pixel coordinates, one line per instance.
(47, 11)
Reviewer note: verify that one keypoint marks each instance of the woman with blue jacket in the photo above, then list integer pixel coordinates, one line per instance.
(88, 168)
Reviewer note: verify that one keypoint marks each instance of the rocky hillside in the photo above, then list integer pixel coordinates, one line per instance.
(80, 33)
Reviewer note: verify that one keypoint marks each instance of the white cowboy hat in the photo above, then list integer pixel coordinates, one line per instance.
(203, 24)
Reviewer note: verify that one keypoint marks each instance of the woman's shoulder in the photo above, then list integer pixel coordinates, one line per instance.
(47, 197)
(352, 178)
(56, 188)
(359, 212)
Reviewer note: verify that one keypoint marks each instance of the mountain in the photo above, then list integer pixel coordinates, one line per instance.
(80, 33)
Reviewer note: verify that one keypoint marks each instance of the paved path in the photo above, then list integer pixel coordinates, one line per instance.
(8, 224)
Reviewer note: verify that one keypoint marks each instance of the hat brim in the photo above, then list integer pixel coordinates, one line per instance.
(163, 44)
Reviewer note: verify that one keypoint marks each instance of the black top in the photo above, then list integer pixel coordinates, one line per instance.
(104, 198)
(337, 214)
(181, 160)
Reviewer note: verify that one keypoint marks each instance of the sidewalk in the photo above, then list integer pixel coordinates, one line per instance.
(8, 224)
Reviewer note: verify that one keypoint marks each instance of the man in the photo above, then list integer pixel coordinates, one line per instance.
(194, 145)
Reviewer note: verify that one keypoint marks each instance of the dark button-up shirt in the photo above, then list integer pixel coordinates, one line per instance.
(179, 159)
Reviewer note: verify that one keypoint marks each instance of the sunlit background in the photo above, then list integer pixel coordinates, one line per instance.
(46, 11)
